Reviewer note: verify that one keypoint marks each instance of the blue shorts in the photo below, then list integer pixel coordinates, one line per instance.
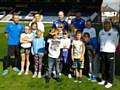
(77, 64)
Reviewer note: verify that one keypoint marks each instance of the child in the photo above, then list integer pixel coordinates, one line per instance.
(38, 50)
(25, 40)
(54, 49)
(34, 28)
(65, 53)
(77, 54)
(92, 54)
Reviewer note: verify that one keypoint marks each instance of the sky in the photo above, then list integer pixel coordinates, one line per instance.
(115, 4)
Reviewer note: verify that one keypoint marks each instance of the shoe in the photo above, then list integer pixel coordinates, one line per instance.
(26, 73)
(58, 79)
(69, 76)
(60, 74)
(90, 77)
(102, 82)
(54, 74)
(80, 80)
(5, 72)
(93, 79)
(39, 75)
(20, 73)
(75, 81)
(108, 85)
(16, 69)
(35, 74)
(47, 79)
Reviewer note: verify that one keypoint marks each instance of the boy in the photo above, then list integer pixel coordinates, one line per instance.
(77, 54)
(54, 49)
(91, 53)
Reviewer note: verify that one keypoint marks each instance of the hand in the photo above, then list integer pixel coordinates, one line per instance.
(82, 58)
(94, 54)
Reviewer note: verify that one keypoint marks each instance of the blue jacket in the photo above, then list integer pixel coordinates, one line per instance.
(38, 46)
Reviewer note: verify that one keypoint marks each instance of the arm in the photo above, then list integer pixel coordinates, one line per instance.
(82, 54)
(72, 56)
(6, 35)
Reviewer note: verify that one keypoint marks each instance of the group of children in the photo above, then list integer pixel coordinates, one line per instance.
(65, 51)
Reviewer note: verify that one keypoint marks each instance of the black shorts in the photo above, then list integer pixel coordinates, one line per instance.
(25, 51)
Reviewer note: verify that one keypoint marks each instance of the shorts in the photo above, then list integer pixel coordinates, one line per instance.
(77, 64)
(25, 51)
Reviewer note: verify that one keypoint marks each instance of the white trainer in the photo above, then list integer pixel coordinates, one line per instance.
(20, 73)
(102, 82)
(69, 76)
(108, 85)
(26, 73)
(39, 75)
(35, 74)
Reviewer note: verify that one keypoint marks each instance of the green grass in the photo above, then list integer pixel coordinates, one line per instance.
(14, 82)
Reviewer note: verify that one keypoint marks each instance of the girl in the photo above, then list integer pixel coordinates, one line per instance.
(25, 40)
(38, 50)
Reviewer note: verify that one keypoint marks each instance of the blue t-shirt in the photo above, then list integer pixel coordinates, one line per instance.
(58, 22)
(14, 31)
(78, 23)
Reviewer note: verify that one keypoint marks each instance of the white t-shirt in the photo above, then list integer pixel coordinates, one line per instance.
(26, 36)
(91, 31)
(108, 40)
(54, 47)
(77, 48)
(66, 43)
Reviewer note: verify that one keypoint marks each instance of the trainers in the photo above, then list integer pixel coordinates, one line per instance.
(90, 77)
(80, 80)
(93, 79)
(16, 69)
(39, 75)
(35, 74)
(26, 73)
(102, 82)
(20, 73)
(60, 74)
(69, 76)
(108, 85)
(5, 72)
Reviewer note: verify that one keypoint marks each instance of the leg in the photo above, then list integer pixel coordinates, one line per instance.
(17, 57)
(35, 65)
(57, 66)
(110, 66)
(22, 63)
(40, 66)
(51, 63)
(27, 61)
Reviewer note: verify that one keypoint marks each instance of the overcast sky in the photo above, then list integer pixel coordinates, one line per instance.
(112, 3)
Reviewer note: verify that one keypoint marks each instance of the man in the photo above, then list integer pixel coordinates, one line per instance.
(60, 21)
(12, 33)
(108, 42)
(78, 22)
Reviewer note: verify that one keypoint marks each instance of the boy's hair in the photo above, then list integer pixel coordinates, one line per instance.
(86, 34)
(78, 32)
